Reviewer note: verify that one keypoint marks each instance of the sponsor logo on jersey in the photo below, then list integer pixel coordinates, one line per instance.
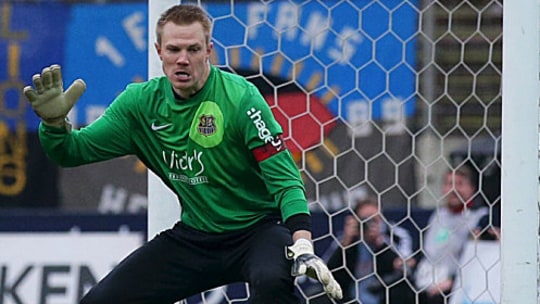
(207, 125)
(188, 180)
(183, 165)
(264, 133)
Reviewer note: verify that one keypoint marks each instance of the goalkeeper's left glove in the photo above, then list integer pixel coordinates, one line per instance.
(306, 262)
(48, 98)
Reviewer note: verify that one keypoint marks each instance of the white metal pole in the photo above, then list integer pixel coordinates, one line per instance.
(163, 207)
(519, 172)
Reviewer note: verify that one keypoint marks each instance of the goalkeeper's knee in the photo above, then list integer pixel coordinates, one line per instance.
(272, 286)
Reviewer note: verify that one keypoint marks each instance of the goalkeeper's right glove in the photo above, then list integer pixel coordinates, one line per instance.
(306, 262)
(48, 99)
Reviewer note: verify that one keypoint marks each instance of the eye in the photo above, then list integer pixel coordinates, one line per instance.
(194, 49)
(173, 49)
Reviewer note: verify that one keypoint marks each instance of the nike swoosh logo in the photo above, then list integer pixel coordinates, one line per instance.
(160, 127)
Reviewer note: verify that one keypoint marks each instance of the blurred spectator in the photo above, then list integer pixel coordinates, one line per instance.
(448, 229)
(374, 258)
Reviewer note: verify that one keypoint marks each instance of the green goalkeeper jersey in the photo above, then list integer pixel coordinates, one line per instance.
(220, 151)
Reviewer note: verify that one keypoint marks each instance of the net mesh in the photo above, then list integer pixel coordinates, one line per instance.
(377, 98)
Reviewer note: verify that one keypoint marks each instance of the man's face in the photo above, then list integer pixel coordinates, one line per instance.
(371, 222)
(185, 57)
(458, 190)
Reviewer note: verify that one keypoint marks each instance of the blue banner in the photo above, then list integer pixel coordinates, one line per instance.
(357, 52)
(107, 47)
(31, 38)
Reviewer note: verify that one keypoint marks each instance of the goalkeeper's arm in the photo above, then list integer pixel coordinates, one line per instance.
(305, 262)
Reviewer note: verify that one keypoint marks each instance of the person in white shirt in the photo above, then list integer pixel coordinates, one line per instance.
(448, 229)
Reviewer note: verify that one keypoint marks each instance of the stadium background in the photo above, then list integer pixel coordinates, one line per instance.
(354, 151)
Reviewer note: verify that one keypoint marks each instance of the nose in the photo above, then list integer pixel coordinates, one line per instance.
(182, 58)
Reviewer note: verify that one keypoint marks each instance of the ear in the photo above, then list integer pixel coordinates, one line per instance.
(158, 50)
(209, 50)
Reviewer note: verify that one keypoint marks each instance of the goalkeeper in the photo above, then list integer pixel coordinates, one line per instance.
(211, 137)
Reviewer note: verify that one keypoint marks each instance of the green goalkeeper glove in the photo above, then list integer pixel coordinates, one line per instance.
(49, 100)
(306, 262)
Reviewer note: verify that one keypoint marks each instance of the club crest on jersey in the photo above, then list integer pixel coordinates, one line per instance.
(207, 125)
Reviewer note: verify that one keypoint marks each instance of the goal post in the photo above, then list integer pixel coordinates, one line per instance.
(520, 171)
(163, 207)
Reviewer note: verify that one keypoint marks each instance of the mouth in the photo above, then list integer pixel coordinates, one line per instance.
(182, 76)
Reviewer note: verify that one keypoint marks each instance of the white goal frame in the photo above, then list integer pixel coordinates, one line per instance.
(520, 145)
(519, 160)
(163, 207)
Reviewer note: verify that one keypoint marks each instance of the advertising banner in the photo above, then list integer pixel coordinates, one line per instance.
(51, 267)
(354, 41)
(108, 56)
(31, 38)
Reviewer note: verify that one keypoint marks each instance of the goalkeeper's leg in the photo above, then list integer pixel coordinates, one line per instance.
(165, 270)
(264, 265)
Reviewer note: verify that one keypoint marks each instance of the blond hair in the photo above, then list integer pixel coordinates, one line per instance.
(184, 14)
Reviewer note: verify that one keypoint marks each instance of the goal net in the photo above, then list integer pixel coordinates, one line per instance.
(376, 98)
